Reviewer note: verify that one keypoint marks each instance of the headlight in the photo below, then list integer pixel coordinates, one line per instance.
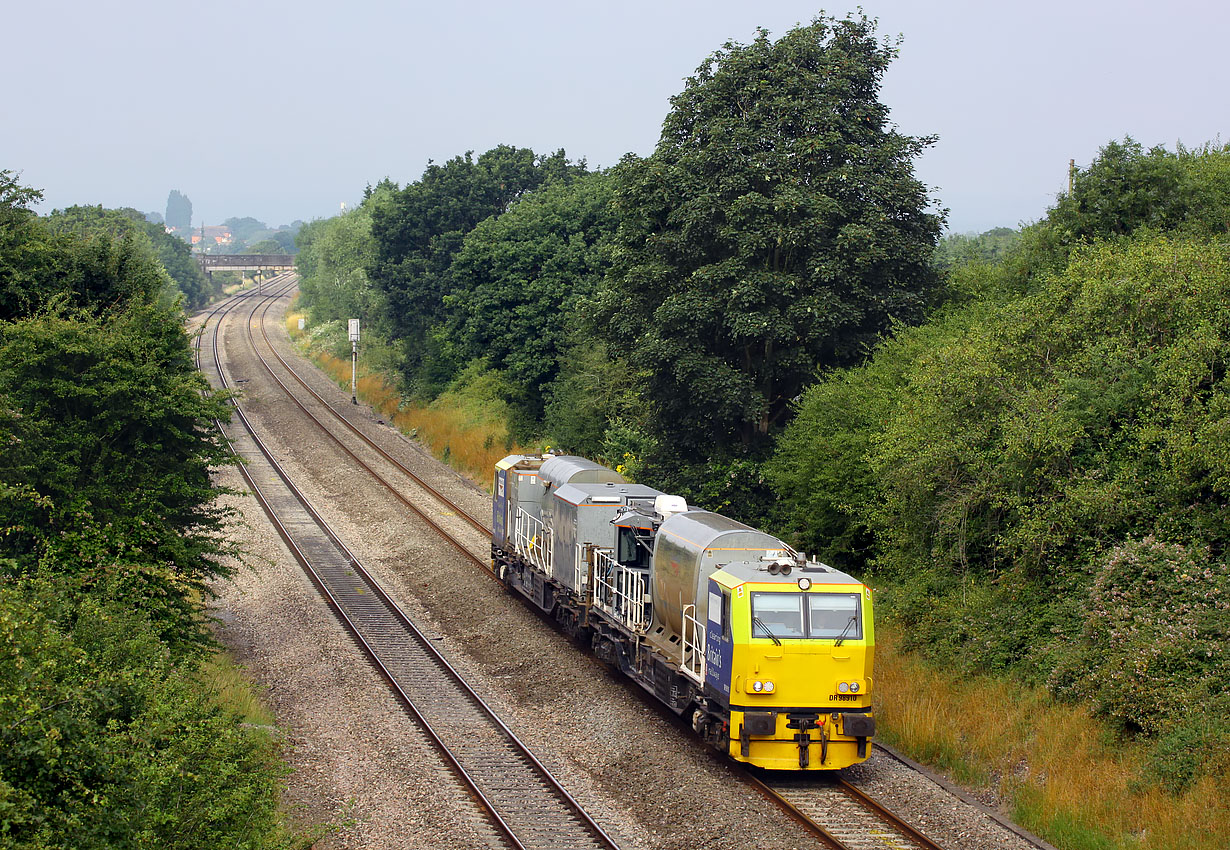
(804, 584)
(757, 686)
(768, 687)
(854, 687)
(843, 687)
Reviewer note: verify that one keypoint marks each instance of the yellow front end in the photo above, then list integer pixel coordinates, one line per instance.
(799, 701)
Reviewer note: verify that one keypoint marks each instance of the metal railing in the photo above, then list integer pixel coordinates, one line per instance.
(532, 540)
(619, 592)
(580, 571)
(692, 649)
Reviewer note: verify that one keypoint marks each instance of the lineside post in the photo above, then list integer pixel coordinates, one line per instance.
(354, 359)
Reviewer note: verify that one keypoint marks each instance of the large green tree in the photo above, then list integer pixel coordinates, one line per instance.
(778, 226)
(517, 280)
(174, 254)
(423, 226)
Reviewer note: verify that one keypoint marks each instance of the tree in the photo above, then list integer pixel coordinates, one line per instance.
(777, 227)
(174, 254)
(179, 211)
(107, 740)
(243, 229)
(108, 456)
(334, 255)
(518, 277)
(421, 228)
(1126, 188)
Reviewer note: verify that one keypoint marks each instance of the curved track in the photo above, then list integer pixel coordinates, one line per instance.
(839, 814)
(522, 799)
(435, 519)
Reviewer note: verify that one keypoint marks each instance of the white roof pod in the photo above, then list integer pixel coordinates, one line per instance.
(666, 506)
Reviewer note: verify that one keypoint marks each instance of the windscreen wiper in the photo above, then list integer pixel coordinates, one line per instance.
(842, 636)
(756, 621)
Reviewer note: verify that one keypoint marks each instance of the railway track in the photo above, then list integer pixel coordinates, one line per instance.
(524, 802)
(839, 814)
(438, 518)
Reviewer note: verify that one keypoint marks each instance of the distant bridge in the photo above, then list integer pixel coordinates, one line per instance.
(246, 262)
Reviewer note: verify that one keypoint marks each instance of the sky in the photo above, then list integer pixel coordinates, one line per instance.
(283, 111)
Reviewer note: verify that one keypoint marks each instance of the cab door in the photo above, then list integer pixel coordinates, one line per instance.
(499, 508)
(719, 643)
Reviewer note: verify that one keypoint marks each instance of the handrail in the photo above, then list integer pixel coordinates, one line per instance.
(532, 540)
(619, 591)
(692, 649)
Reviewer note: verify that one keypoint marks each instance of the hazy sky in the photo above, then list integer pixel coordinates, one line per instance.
(284, 110)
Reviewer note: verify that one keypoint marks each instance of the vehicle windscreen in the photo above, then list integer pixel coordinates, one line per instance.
(810, 615)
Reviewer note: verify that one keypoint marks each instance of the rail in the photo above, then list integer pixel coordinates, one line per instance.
(522, 798)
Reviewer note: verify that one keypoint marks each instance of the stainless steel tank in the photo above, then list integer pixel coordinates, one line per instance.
(689, 548)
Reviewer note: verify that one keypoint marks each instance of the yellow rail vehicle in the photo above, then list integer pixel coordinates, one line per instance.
(798, 658)
(768, 653)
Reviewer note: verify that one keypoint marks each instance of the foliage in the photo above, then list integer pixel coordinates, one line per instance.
(244, 229)
(108, 532)
(1127, 188)
(593, 404)
(333, 258)
(776, 227)
(1088, 409)
(107, 741)
(820, 467)
(266, 246)
(113, 445)
(1153, 646)
(47, 260)
(517, 279)
(174, 254)
(251, 236)
(991, 246)
(992, 459)
(423, 225)
(179, 211)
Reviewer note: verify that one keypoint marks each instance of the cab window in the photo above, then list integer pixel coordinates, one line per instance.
(779, 613)
(629, 552)
(811, 615)
(834, 615)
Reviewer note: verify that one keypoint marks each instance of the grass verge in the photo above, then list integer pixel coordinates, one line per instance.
(1063, 774)
(466, 427)
(235, 691)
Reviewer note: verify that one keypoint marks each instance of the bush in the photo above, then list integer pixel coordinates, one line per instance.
(1193, 746)
(1154, 637)
(108, 741)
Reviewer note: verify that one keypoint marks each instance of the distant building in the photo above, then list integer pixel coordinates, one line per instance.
(210, 236)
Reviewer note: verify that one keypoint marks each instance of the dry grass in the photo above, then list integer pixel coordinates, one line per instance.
(292, 323)
(235, 690)
(1064, 774)
(468, 438)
